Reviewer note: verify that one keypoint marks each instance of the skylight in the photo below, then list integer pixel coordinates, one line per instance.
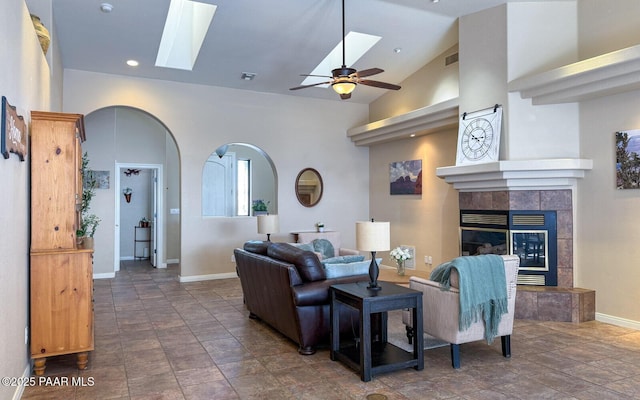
(356, 44)
(184, 31)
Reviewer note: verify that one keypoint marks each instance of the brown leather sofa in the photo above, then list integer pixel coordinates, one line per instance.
(286, 287)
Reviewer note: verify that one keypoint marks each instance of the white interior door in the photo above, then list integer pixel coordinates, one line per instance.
(154, 218)
(219, 186)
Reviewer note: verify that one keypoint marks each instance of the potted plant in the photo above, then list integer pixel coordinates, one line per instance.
(88, 222)
(400, 255)
(259, 207)
(127, 194)
(144, 222)
(88, 226)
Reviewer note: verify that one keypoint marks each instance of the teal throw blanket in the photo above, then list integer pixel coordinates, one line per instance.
(483, 290)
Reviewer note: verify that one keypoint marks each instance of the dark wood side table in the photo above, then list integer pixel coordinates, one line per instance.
(374, 357)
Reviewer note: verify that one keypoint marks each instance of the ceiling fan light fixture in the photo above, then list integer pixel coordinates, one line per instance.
(343, 86)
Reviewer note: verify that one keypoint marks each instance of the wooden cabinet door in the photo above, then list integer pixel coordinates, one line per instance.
(61, 303)
(54, 180)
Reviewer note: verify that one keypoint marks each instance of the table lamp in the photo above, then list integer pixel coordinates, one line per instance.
(373, 236)
(268, 224)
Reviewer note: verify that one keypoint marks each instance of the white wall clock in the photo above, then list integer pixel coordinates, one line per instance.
(479, 136)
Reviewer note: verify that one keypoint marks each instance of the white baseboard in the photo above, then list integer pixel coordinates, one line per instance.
(625, 323)
(106, 275)
(173, 261)
(127, 258)
(198, 278)
(17, 395)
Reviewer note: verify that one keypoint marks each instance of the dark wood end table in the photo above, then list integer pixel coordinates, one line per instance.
(371, 357)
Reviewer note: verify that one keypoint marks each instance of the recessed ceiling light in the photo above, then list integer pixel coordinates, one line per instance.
(412, 135)
(106, 8)
(132, 63)
(397, 50)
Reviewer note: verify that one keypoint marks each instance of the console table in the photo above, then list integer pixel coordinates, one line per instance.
(374, 357)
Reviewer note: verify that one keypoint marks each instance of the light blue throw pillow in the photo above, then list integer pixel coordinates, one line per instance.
(324, 247)
(341, 270)
(304, 246)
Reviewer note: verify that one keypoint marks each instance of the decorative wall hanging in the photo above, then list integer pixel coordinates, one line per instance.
(479, 136)
(101, 179)
(14, 132)
(127, 192)
(405, 177)
(131, 171)
(628, 159)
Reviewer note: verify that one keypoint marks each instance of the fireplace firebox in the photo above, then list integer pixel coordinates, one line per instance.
(530, 235)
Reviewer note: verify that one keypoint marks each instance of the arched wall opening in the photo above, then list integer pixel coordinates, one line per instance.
(121, 139)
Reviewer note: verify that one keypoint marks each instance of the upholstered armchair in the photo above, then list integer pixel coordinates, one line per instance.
(441, 310)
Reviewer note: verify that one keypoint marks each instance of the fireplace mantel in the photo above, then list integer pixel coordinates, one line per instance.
(560, 173)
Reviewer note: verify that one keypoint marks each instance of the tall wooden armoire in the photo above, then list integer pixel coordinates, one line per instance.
(61, 271)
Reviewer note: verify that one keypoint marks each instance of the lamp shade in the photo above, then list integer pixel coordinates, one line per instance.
(268, 223)
(373, 236)
(343, 86)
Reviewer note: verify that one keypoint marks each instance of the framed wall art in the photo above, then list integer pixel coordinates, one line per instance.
(628, 159)
(405, 177)
(13, 136)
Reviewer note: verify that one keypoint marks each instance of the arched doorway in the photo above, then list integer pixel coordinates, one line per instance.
(121, 138)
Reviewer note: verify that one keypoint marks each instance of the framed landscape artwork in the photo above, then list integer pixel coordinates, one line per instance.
(405, 177)
(628, 159)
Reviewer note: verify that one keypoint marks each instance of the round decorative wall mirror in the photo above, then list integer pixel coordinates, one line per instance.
(309, 187)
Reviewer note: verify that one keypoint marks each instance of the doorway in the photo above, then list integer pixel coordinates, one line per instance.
(138, 233)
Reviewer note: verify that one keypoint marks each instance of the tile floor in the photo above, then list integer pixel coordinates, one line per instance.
(156, 338)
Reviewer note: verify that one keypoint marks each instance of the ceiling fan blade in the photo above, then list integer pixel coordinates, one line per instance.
(319, 76)
(369, 72)
(378, 84)
(345, 96)
(308, 86)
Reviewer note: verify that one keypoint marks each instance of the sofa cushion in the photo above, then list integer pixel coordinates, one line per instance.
(257, 246)
(306, 262)
(343, 259)
(340, 270)
(325, 247)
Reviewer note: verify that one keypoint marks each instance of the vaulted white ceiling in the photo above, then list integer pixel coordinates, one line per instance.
(277, 40)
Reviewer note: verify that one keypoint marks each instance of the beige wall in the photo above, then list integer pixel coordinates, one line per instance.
(431, 84)
(28, 84)
(607, 219)
(428, 221)
(295, 132)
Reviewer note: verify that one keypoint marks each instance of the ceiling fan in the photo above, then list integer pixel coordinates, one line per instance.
(343, 80)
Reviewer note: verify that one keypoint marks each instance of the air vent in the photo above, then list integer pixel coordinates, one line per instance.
(451, 59)
(528, 219)
(484, 219)
(537, 280)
